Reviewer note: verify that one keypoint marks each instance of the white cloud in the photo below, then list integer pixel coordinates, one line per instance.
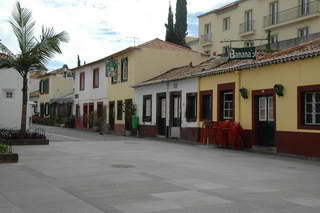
(86, 21)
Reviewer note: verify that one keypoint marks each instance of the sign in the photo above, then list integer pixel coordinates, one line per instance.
(111, 68)
(242, 53)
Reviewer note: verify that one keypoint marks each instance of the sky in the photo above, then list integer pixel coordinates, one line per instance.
(98, 28)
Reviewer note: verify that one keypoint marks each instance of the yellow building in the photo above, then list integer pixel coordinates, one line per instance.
(53, 85)
(290, 22)
(283, 104)
(135, 65)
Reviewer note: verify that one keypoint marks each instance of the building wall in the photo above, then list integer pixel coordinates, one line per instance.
(260, 9)
(184, 86)
(10, 113)
(289, 138)
(144, 64)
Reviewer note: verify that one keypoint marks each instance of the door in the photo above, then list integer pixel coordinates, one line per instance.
(175, 111)
(161, 114)
(91, 115)
(111, 115)
(265, 123)
(128, 114)
(85, 115)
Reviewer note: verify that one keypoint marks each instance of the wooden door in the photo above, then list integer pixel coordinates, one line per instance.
(91, 115)
(265, 122)
(111, 115)
(161, 114)
(175, 114)
(85, 115)
(128, 114)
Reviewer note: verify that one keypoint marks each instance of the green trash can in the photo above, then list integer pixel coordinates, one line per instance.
(135, 122)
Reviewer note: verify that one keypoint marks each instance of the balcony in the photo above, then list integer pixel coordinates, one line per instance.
(247, 28)
(206, 39)
(291, 15)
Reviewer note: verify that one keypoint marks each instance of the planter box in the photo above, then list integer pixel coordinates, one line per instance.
(9, 158)
(15, 142)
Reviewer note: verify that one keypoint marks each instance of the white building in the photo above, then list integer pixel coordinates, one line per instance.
(11, 100)
(167, 104)
(90, 86)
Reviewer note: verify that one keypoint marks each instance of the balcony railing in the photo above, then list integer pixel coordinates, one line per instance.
(292, 14)
(247, 27)
(206, 38)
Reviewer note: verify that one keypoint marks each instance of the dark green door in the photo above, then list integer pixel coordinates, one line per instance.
(265, 121)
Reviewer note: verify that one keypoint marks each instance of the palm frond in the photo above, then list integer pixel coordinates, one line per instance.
(49, 44)
(23, 27)
(6, 50)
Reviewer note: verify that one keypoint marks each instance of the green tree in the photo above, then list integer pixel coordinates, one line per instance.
(79, 62)
(33, 54)
(170, 33)
(181, 25)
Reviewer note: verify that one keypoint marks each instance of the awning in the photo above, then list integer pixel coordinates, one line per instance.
(68, 99)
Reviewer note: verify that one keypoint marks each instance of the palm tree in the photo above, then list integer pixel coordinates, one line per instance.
(33, 54)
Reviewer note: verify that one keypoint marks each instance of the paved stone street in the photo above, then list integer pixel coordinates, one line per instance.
(83, 172)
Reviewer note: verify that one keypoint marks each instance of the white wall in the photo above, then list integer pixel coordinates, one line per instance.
(90, 94)
(185, 86)
(10, 109)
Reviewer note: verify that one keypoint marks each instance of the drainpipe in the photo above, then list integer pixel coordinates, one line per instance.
(238, 99)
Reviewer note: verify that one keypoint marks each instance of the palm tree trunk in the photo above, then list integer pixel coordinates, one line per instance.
(24, 104)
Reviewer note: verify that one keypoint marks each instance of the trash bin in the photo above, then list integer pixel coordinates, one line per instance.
(135, 122)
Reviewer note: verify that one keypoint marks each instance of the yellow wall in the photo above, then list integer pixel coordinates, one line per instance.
(260, 9)
(290, 75)
(145, 63)
(58, 87)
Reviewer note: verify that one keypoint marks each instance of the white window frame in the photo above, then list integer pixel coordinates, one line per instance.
(226, 24)
(303, 32)
(270, 108)
(225, 109)
(274, 12)
(262, 108)
(313, 113)
(148, 107)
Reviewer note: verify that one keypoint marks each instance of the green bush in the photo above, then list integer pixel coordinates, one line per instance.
(4, 148)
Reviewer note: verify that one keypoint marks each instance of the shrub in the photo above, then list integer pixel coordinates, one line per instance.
(4, 148)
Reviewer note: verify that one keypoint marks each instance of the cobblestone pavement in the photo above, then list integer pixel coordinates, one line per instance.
(84, 172)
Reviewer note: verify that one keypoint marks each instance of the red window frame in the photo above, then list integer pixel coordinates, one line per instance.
(95, 77)
(300, 93)
(82, 81)
(222, 88)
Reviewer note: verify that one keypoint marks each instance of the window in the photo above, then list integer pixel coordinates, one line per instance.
(274, 39)
(44, 86)
(309, 107)
(226, 24)
(191, 107)
(82, 81)
(248, 22)
(227, 108)
(96, 78)
(225, 50)
(124, 69)
(303, 32)
(114, 79)
(274, 12)
(206, 105)
(119, 110)
(35, 107)
(249, 44)
(263, 109)
(304, 6)
(147, 108)
(9, 94)
(207, 29)
(312, 108)
(47, 109)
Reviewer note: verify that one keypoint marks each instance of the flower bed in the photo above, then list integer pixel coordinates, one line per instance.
(6, 156)
(16, 137)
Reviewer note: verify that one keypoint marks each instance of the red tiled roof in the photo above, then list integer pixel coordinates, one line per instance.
(306, 50)
(184, 71)
(153, 44)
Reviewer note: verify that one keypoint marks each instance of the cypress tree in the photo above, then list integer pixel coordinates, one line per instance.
(170, 34)
(79, 62)
(181, 25)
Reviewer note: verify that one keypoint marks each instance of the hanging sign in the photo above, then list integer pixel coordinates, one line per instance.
(242, 53)
(111, 68)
